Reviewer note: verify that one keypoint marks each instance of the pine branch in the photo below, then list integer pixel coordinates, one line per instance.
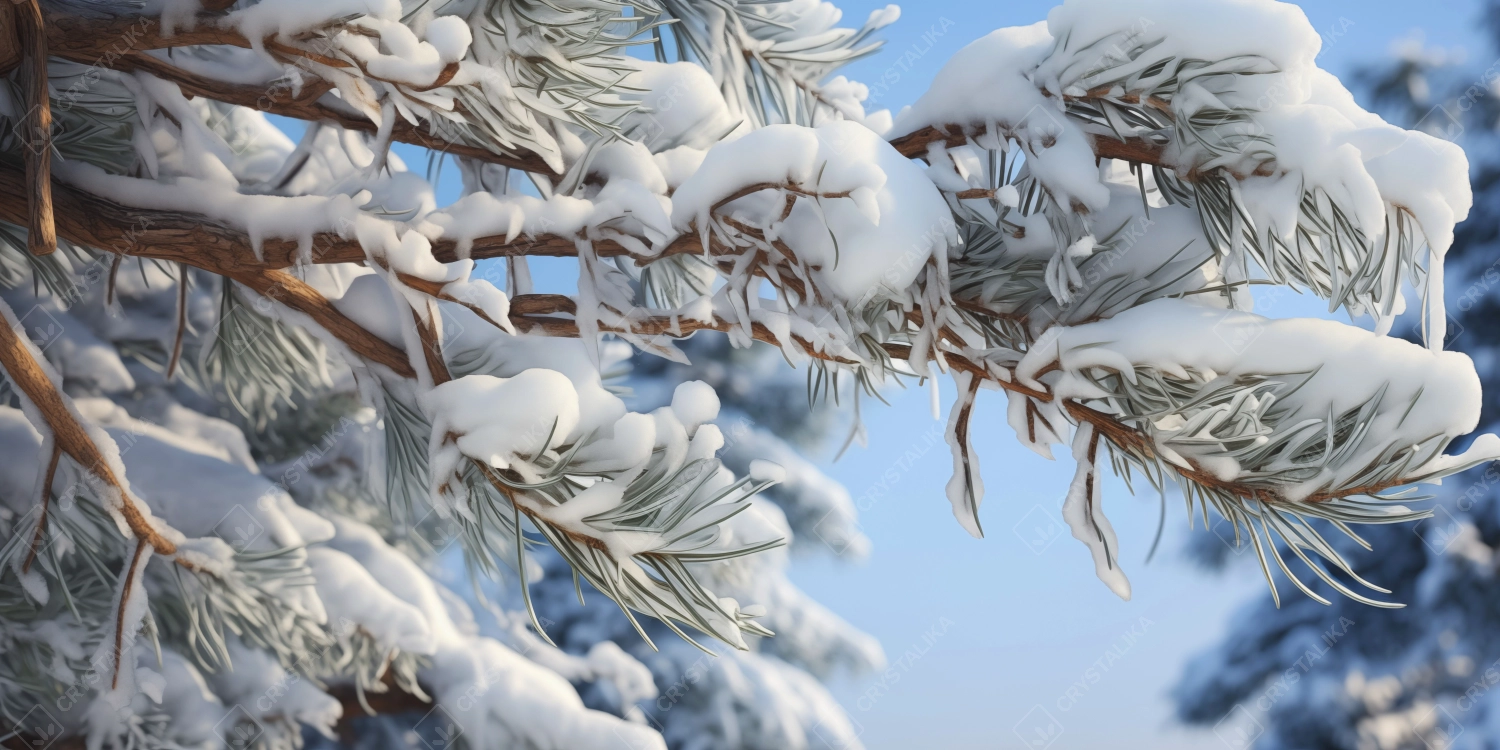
(432, 345)
(204, 243)
(91, 221)
(46, 502)
(94, 33)
(213, 245)
(307, 105)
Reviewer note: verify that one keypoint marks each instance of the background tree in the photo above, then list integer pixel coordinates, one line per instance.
(250, 383)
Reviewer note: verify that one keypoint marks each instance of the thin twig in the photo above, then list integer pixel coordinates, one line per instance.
(41, 524)
(114, 273)
(125, 591)
(182, 301)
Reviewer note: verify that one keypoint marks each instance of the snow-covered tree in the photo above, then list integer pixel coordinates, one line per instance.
(251, 384)
(1346, 676)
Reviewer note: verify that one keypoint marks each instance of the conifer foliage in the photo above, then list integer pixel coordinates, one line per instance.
(264, 399)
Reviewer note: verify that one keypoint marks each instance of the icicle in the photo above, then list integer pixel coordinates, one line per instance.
(966, 488)
(1084, 516)
(588, 301)
(1436, 312)
(937, 399)
(517, 277)
(382, 144)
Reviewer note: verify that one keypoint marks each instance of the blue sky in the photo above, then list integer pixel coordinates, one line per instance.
(998, 638)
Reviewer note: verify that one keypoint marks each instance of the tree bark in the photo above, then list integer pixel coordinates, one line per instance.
(31, 36)
(213, 245)
(10, 46)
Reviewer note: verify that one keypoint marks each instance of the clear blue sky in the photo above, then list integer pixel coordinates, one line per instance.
(982, 632)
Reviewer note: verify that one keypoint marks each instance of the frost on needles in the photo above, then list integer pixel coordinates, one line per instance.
(255, 389)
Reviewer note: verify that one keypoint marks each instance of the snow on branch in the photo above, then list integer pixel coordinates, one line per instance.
(1284, 169)
(529, 315)
(1076, 215)
(483, 88)
(1308, 418)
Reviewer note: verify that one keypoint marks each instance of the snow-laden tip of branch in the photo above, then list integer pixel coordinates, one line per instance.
(1268, 421)
(1238, 122)
(1380, 403)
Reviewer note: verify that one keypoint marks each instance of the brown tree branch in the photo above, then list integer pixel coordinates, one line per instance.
(280, 286)
(213, 245)
(118, 42)
(41, 523)
(312, 105)
(201, 242)
(47, 504)
(438, 290)
(432, 345)
(90, 221)
(99, 37)
(10, 46)
(125, 591)
(914, 145)
(68, 433)
(529, 314)
(41, 236)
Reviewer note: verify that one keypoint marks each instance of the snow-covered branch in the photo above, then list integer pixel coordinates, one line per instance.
(1075, 216)
(18, 359)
